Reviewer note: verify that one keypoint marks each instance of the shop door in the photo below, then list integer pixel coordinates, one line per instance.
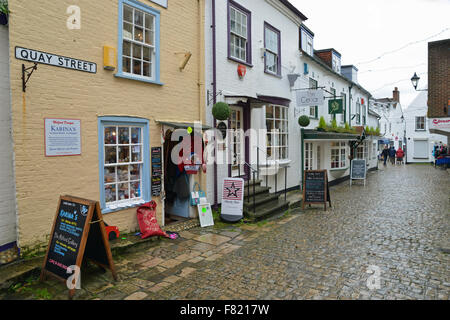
(237, 143)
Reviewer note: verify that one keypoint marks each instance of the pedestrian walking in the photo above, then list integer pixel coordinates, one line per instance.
(385, 154)
(400, 154)
(392, 155)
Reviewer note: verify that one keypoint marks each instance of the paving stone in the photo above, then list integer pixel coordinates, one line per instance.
(137, 296)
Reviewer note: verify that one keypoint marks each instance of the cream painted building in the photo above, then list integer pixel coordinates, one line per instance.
(116, 107)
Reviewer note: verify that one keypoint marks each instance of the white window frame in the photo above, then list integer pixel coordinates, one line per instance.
(339, 149)
(241, 37)
(309, 157)
(277, 136)
(270, 50)
(422, 123)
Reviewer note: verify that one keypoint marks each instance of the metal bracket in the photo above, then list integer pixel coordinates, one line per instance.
(28, 75)
(210, 94)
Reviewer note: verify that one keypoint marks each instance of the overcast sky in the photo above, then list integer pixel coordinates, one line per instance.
(363, 30)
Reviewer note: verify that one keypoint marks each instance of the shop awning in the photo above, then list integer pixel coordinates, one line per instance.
(260, 101)
(184, 125)
(384, 141)
(309, 134)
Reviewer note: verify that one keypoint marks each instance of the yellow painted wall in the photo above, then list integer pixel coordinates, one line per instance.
(54, 92)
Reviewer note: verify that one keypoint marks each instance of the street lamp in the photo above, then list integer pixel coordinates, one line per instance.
(415, 81)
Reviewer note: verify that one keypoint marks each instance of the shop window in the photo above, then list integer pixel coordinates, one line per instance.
(362, 152)
(239, 33)
(338, 155)
(272, 44)
(308, 156)
(124, 163)
(277, 132)
(138, 50)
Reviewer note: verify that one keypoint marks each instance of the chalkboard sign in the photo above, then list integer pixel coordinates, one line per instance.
(358, 170)
(315, 189)
(156, 171)
(78, 232)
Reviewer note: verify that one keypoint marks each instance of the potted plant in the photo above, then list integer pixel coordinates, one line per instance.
(4, 12)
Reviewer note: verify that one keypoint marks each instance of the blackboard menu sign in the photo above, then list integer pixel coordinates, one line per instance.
(315, 189)
(358, 170)
(156, 171)
(78, 232)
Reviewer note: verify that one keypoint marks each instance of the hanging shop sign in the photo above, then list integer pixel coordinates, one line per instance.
(55, 60)
(358, 170)
(78, 232)
(335, 106)
(309, 98)
(156, 171)
(316, 189)
(232, 199)
(62, 137)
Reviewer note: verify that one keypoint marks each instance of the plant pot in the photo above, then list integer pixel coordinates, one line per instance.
(3, 19)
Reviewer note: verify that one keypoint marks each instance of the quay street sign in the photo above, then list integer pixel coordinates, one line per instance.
(55, 60)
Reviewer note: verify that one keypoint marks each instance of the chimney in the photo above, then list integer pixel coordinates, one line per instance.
(396, 95)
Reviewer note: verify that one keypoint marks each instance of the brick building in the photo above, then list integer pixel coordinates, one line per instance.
(439, 86)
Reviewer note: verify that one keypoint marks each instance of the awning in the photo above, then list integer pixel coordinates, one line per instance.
(384, 141)
(260, 101)
(309, 134)
(184, 125)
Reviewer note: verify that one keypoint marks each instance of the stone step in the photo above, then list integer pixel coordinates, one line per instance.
(260, 199)
(252, 182)
(266, 211)
(258, 190)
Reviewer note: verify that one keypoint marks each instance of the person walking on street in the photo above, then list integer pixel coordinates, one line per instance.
(400, 154)
(392, 155)
(385, 154)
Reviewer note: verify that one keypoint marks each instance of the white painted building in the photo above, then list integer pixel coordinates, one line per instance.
(420, 142)
(7, 189)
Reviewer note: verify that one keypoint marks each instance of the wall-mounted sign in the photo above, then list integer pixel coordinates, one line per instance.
(308, 98)
(62, 137)
(440, 124)
(162, 3)
(232, 199)
(156, 171)
(55, 60)
(335, 106)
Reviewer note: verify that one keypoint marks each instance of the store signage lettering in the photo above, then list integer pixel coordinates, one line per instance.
(440, 123)
(307, 98)
(55, 60)
(62, 137)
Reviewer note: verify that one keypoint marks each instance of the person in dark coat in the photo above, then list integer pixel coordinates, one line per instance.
(392, 155)
(385, 154)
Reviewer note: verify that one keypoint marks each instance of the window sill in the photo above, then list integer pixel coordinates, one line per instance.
(273, 74)
(130, 77)
(241, 62)
(124, 207)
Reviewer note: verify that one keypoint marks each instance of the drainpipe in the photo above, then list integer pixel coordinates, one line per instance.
(302, 157)
(214, 84)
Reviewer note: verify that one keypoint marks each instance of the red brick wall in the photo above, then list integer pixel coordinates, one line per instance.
(325, 56)
(438, 78)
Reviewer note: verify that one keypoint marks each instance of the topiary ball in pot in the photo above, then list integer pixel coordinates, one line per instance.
(303, 121)
(221, 111)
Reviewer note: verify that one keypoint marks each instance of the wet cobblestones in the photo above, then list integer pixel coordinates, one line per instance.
(387, 240)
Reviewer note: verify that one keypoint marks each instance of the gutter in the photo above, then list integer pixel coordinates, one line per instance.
(214, 84)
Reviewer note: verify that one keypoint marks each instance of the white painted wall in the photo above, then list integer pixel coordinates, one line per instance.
(7, 189)
(417, 139)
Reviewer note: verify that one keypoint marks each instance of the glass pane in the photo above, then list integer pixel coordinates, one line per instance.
(135, 172)
(124, 191)
(135, 191)
(126, 49)
(110, 155)
(138, 34)
(138, 18)
(127, 14)
(136, 154)
(136, 135)
(124, 135)
(127, 30)
(269, 112)
(149, 21)
(137, 67)
(147, 69)
(126, 65)
(147, 53)
(137, 51)
(110, 174)
(122, 173)
(110, 135)
(124, 154)
(149, 37)
(110, 193)
(277, 112)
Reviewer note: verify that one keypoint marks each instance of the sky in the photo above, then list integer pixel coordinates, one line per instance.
(365, 32)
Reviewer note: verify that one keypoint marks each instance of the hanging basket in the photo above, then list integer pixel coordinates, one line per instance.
(303, 121)
(3, 19)
(221, 111)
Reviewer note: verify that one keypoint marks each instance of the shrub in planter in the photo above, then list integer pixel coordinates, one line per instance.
(221, 111)
(377, 131)
(322, 124)
(334, 124)
(4, 12)
(303, 121)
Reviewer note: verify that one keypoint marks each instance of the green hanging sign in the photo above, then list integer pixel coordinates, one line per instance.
(335, 106)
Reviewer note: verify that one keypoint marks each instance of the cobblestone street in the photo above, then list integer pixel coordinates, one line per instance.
(395, 229)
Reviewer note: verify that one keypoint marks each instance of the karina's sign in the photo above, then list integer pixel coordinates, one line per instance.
(309, 98)
(55, 60)
(62, 137)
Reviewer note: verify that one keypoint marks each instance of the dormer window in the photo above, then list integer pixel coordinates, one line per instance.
(306, 41)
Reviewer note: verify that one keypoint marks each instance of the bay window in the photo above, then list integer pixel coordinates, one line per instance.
(338, 155)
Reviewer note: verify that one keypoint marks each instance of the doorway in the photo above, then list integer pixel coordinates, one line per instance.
(237, 141)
